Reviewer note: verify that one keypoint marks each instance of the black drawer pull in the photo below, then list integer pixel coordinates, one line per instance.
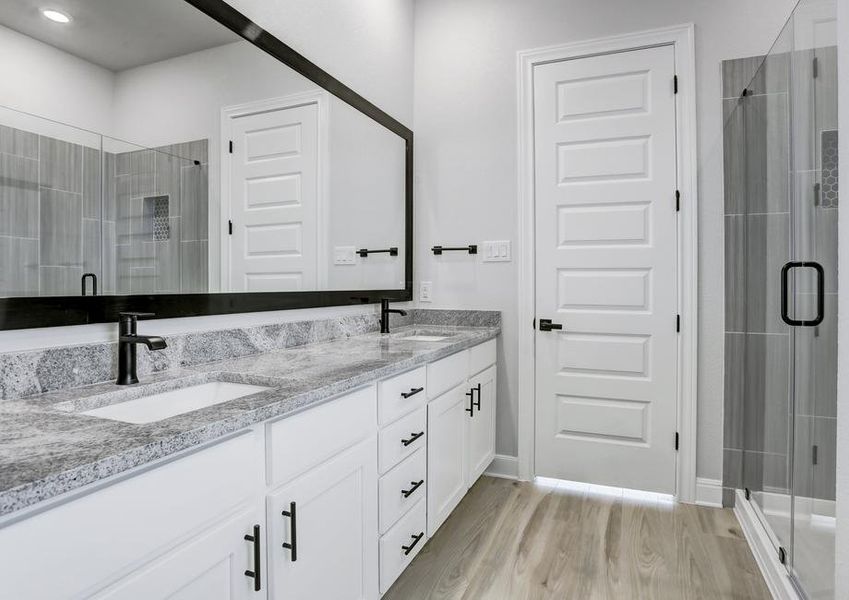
(416, 540)
(416, 485)
(256, 574)
(412, 392)
(413, 438)
(471, 409)
(293, 515)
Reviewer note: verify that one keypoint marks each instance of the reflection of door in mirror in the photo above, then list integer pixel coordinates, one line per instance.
(273, 195)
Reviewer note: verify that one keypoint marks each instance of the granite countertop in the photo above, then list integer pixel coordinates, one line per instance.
(46, 451)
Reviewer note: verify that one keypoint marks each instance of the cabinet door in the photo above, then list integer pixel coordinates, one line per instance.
(446, 454)
(327, 519)
(210, 566)
(480, 425)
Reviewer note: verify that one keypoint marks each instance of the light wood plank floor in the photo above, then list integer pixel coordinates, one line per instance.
(511, 541)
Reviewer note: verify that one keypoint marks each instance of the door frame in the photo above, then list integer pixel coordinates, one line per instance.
(321, 99)
(681, 38)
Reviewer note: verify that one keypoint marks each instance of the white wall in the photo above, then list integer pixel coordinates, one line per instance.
(367, 44)
(38, 78)
(465, 123)
(842, 568)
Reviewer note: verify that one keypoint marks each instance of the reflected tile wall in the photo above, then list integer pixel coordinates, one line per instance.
(159, 259)
(49, 211)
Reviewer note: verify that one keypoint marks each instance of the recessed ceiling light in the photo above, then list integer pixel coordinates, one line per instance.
(55, 15)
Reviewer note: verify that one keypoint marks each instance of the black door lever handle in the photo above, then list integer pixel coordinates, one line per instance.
(547, 325)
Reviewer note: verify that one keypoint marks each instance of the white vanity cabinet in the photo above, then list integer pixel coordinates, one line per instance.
(323, 530)
(141, 528)
(211, 566)
(330, 503)
(461, 427)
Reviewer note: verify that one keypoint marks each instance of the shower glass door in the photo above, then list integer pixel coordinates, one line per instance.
(781, 226)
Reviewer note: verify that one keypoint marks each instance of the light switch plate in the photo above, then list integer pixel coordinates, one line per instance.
(497, 251)
(344, 255)
(425, 291)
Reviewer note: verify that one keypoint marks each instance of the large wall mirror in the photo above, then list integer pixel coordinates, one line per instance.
(171, 156)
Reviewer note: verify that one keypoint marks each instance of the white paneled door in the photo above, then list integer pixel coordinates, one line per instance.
(273, 200)
(606, 269)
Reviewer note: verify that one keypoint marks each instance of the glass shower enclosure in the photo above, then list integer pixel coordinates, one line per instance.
(781, 205)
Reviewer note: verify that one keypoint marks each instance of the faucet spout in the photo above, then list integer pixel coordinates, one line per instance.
(385, 311)
(127, 341)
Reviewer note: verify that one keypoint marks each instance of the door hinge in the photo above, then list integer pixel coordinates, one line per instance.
(230, 227)
(231, 146)
(678, 323)
(677, 440)
(815, 454)
(815, 67)
(675, 84)
(677, 200)
(782, 555)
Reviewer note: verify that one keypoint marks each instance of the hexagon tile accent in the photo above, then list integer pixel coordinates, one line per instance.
(828, 190)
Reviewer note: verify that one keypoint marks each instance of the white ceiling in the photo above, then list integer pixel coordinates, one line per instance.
(118, 34)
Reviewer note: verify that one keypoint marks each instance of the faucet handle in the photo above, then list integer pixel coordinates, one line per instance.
(132, 316)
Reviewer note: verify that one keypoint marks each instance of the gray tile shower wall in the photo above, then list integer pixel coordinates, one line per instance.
(757, 344)
(161, 198)
(70, 209)
(776, 209)
(33, 372)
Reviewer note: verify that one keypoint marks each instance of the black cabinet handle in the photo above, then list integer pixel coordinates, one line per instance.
(785, 271)
(471, 409)
(256, 574)
(412, 392)
(547, 325)
(416, 540)
(416, 485)
(413, 438)
(364, 252)
(293, 516)
(471, 249)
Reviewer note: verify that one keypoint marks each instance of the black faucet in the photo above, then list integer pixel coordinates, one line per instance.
(127, 340)
(384, 314)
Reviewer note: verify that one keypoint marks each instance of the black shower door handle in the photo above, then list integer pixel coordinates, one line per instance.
(785, 273)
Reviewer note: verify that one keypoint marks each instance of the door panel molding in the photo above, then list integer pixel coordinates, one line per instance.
(321, 99)
(681, 38)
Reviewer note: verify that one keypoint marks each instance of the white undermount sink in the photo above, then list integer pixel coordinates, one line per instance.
(425, 338)
(163, 405)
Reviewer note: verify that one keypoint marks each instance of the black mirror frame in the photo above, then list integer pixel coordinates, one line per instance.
(55, 311)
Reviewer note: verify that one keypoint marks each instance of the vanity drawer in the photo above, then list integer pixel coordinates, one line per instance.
(391, 400)
(401, 488)
(444, 374)
(309, 438)
(73, 548)
(402, 438)
(399, 546)
(481, 357)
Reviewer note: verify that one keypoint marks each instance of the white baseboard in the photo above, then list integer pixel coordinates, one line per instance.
(504, 466)
(775, 574)
(708, 492)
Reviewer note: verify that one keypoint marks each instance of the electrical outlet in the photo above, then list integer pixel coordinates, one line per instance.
(425, 291)
(344, 255)
(497, 251)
